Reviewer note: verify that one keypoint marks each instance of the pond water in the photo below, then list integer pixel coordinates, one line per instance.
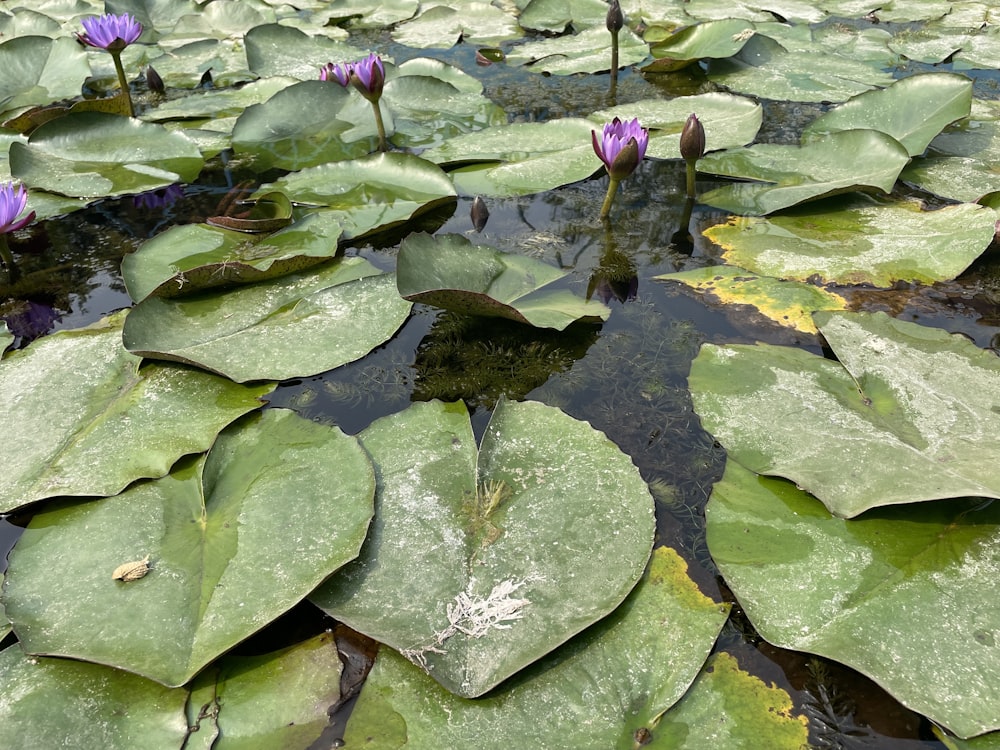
(627, 377)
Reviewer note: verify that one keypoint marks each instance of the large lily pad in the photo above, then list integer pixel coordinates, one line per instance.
(189, 257)
(39, 70)
(233, 540)
(912, 110)
(452, 273)
(82, 417)
(442, 26)
(292, 326)
(480, 562)
(712, 39)
(613, 680)
(279, 50)
(586, 52)
(905, 416)
(96, 154)
(374, 193)
(903, 595)
(861, 242)
(828, 165)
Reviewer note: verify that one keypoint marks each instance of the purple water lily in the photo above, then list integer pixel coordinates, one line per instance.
(339, 72)
(621, 147)
(12, 202)
(368, 76)
(110, 32)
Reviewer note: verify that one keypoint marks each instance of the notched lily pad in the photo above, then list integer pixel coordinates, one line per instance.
(236, 538)
(452, 273)
(480, 561)
(83, 418)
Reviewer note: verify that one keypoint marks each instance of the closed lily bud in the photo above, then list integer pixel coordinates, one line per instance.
(153, 81)
(692, 139)
(480, 214)
(615, 19)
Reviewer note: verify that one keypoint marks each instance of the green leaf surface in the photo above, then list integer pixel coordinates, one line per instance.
(82, 417)
(97, 154)
(787, 303)
(52, 703)
(277, 50)
(38, 70)
(829, 165)
(519, 545)
(904, 396)
(191, 257)
(442, 26)
(373, 193)
(375, 14)
(6, 337)
(452, 273)
(553, 16)
(903, 595)
(861, 242)
(765, 69)
(218, 103)
(296, 325)
(184, 66)
(586, 52)
(234, 540)
(593, 693)
(723, 38)
(275, 700)
(912, 110)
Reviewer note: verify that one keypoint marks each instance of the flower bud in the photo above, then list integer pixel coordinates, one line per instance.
(480, 214)
(615, 19)
(626, 160)
(153, 81)
(692, 139)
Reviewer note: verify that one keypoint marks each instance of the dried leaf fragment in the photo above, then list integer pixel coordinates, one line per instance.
(131, 571)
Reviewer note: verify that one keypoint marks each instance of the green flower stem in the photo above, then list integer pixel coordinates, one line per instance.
(614, 63)
(382, 146)
(5, 255)
(122, 81)
(610, 197)
(690, 178)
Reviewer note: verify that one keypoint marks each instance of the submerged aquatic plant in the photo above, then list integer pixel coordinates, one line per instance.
(692, 149)
(621, 147)
(112, 33)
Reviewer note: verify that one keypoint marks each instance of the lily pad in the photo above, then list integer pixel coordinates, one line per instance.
(452, 273)
(903, 595)
(292, 326)
(586, 52)
(442, 26)
(134, 711)
(611, 681)
(912, 110)
(787, 303)
(233, 540)
(554, 16)
(6, 337)
(831, 164)
(518, 546)
(191, 257)
(862, 242)
(370, 194)
(82, 417)
(218, 103)
(278, 50)
(96, 154)
(39, 70)
(904, 417)
(712, 39)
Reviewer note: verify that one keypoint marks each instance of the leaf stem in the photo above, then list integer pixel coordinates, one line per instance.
(382, 145)
(690, 178)
(610, 197)
(122, 81)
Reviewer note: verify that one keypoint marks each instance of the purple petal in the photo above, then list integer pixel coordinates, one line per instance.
(103, 31)
(12, 202)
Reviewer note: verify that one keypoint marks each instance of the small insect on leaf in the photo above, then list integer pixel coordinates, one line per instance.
(131, 571)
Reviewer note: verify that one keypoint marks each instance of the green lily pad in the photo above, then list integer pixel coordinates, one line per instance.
(442, 26)
(375, 14)
(97, 154)
(712, 39)
(554, 16)
(831, 164)
(233, 540)
(134, 711)
(787, 303)
(452, 273)
(297, 684)
(862, 242)
(912, 110)
(516, 547)
(6, 337)
(278, 50)
(184, 66)
(292, 326)
(218, 103)
(370, 194)
(39, 70)
(586, 52)
(82, 417)
(191, 257)
(903, 595)
(904, 417)
(764, 68)
(613, 680)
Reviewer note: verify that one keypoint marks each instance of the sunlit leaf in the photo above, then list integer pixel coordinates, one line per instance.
(586, 52)
(39, 70)
(442, 26)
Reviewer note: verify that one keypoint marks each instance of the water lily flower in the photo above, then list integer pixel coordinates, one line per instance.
(621, 147)
(368, 76)
(692, 148)
(113, 33)
(12, 202)
(341, 73)
(110, 32)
